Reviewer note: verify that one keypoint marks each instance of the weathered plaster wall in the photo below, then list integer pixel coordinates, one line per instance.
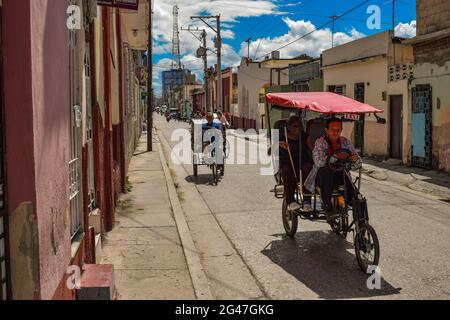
(373, 74)
(367, 47)
(250, 80)
(432, 15)
(50, 102)
(37, 122)
(114, 67)
(99, 67)
(24, 248)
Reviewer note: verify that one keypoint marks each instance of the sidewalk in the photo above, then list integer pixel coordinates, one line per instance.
(433, 182)
(145, 247)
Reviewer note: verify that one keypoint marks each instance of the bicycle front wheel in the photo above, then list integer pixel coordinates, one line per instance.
(367, 247)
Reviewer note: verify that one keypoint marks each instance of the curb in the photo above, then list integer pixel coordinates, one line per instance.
(196, 271)
(404, 189)
(409, 181)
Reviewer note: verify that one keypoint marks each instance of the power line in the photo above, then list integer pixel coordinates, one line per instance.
(253, 34)
(320, 27)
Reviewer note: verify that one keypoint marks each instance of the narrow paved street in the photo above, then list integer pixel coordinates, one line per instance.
(239, 224)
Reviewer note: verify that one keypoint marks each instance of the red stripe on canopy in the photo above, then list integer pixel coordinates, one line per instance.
(322, 102)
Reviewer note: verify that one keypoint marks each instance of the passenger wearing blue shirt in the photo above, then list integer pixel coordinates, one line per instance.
(210, 123)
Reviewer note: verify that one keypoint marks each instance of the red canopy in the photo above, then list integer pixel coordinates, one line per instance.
(322, 102)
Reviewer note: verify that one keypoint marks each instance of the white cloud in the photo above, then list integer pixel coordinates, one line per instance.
(230, 11)
(406, 30)
(227, 34)
(312, 44)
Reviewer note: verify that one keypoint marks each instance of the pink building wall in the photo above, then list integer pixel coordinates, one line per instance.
(37, 138)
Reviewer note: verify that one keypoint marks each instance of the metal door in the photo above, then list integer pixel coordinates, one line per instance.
(359, 125)
(422, 104)
(396, 126)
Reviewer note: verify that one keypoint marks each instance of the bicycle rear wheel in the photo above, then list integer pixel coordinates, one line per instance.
(215, 174)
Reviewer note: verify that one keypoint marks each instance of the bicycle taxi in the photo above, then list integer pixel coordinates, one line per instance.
(208, 147)
(313, 108)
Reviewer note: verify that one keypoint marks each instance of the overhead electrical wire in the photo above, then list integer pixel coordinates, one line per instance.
(319, 28)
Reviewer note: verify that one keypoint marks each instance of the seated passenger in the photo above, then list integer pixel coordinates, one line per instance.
(326, 178)
(289, 177)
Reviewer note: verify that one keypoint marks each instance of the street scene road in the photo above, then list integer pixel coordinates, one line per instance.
(99, 195)
(413, 231)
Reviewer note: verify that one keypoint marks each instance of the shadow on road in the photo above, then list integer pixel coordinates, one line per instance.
(202, 179)
(322, 262)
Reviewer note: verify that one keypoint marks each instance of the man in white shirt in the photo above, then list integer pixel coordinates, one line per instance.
(223, 119)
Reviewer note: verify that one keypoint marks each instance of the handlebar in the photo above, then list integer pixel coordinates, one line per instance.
(340, 160)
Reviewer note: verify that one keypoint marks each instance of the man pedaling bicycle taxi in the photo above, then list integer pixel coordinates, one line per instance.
(210, 124)
(325, 177)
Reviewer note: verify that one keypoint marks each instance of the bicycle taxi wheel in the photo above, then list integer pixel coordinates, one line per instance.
(367, 247)
(290, 220)
(215, 173)
(195, 168)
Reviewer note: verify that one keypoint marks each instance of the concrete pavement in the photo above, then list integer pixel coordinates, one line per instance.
(145, 246)
(228, 275)
(231, 237)
(413, 228)
(431, 182)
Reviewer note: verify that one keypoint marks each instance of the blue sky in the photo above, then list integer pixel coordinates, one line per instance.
(271, 24)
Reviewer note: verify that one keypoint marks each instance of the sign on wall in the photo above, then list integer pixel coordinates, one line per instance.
(123, 4)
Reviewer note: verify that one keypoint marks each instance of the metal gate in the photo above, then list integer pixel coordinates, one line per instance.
(4, 265)
(422, 104)
(396, 126)
(76, 209)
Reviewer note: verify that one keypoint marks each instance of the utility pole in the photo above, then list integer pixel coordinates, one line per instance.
(219, 66)
(393, 15)
(218, 45)
(202, 52)
(205, 66)
(248, 48)
(149, 80)
(332, 32)
(393, 29)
